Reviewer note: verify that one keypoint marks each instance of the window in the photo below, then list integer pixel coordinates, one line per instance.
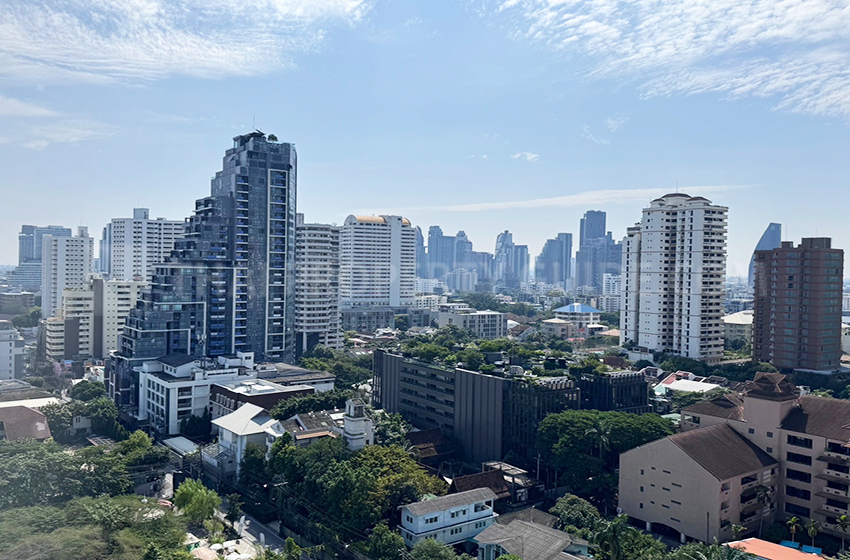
(798, 493)
(799, 511)
(749, 479)
(800, 442)
(641, 488)
(677, 485)
(770, 434)
(799, 476)
(752, 431)
(430, 520)
(409, 519)
(770, 450)
(641, 505)
(798, 458)
(456, 530)
(836, 504)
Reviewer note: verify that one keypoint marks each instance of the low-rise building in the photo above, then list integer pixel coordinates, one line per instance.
(228, 396)
(580, 315)
(484, 324)
(622, 391)
(21, 422)
(529, 541)
(449, 519)
(738, 326)
(289, 375)
(558, 327)
(12, 352)
(16, 302)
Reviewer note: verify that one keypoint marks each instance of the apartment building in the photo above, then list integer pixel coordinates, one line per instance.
(449, 519)
(66, 262)
(317, 319)
(130, 248)
(484, 324)
(797, 308)
(770, 453)
(738, 326)
(12, 352)
(673, 274)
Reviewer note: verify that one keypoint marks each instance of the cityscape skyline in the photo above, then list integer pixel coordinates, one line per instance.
(576, 138)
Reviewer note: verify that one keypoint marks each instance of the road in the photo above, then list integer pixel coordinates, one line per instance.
(250, 533)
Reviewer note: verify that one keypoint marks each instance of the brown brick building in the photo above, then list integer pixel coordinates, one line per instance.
(797, 309)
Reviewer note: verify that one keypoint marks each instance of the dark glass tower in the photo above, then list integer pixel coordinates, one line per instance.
(229, 284)
(770, 239)
(553, 265)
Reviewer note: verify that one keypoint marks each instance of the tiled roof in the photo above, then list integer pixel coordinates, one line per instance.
(728, 406)
(494, 480)
(820, 416)
(771, 386)
(532, 515)
(451, 501)
(772, 551)
(722, 451)
(20, 422)
(528, 540)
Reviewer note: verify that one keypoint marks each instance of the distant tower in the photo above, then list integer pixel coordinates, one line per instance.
(770, 239)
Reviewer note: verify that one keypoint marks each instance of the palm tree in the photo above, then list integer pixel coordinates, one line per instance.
(812, 529)
(844, 523)
(793, 525)
(737, 531)
(763, 495)
(711, 552)
(600, 433)
(609, 536)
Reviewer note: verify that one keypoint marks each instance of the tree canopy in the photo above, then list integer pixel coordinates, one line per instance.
(196, 501)
(87, 390)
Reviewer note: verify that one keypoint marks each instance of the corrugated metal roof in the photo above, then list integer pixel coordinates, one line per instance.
(451, 501)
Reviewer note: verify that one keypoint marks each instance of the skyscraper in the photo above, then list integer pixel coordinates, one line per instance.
(131, 248)
(770, 239)
(598, 254)
(674, 266)
(510, 262)
(553, 265)
(27, 274)
(317, 287)
(377, 262)
(66, 262)
(797, 307)
(229, 285)
(421, 255)
(441, 253)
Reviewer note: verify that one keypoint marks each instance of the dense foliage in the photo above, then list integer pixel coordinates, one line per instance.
(350, 370)
(100, 410)
(324, 400)
(87, 390)
(197, 502)
(197, 426)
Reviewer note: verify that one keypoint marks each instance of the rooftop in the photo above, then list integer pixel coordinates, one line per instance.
(728, 406)
(260, 387)
(246, 420)
(740, 318)
(771, 386)
(820, 416)
(450, 501)
(772, 551)
(577, 308)
(530, 540)
(722, 451)
(177, 360)
(494, 480)
(20, 422)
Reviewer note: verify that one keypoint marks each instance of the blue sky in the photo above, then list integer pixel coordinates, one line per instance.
(474, 115)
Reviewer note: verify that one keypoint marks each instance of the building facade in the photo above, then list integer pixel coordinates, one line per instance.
(554, 264)
(484, 324)
(130, 248)
(12, 352)
(377, 262)
(674, 266)
(317, 318)
(66, 262)
(622, 391)
(797, 308)
(27, 275)
(510, 262)
(770, 239)
(449, 519)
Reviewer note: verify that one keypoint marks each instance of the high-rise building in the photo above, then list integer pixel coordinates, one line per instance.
(598, 254)
(674, 264)
(91, 319)
(553, 265)
(66, 262)
(27, 275)
(131, 248)
(316, 287)
(441, 253)
(12, 352)
(797, 308)
(421, 255)
(462, 280)
(377, 262)
(511, 262)
(770, 239)
(229, 285)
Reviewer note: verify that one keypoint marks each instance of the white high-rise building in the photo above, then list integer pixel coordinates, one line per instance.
(316, 287)
(377, 262)
(674, 267)
(66, 262)
(91, 319)
(132, 247)
(12, 352)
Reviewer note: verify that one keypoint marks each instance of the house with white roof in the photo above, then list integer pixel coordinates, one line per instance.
(580, 315)
(449, 519)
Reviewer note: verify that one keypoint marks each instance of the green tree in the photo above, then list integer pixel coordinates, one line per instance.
(87, 390)
(252, 469)
(844, 523)
(431, 549)
(385, 544)
(812, 528)
(325, 400)
(509, 557)
(793, 526)
(234, 507)
(471, 358)
(27, 320)
(197, 426)
(196, 501)
(391, 429)
(576, 515)
(610, 536)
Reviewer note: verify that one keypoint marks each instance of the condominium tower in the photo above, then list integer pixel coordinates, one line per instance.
(770, 239)
(674, 266)
(553, 265)
(797, 307)
(377, 262)
(131, 248)
(27, 275)
(66, 262)
(316, 287)
(229, 284)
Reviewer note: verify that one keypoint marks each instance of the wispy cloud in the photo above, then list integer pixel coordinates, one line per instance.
(615, 122)
(103, 40)
(10, 107)
(62, 131)
(526, 156)
(797, 51)
(588, 134)
(588, 198)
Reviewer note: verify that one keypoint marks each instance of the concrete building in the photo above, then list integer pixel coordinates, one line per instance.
(770, 441)
(530, 541)
(553, 265)
(377, 262)
(91, 319)
(27, 275)
(12, 352)
(484, 324)
(369, 319)
(130, 248)
(227, 397)
(797, 310)
(289, 375)
(580, 315)
(770, 239)
(511, 262)
(449, 519)
(174, 387)
(738, 326)
(16, 302)
(317, 318)
(558, 327)
(66, 262)
(429, 301)
(462, 280)
(488, 416)
(674, 266)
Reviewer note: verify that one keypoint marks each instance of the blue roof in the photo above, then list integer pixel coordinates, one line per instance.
(577, 308)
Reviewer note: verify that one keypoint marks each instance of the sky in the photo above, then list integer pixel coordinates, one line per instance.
(474, 115)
